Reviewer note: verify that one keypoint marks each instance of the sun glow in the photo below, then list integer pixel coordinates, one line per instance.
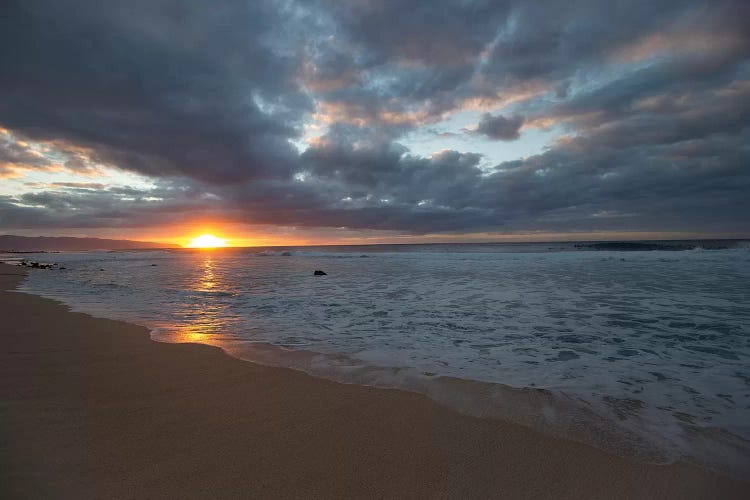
(207, 241)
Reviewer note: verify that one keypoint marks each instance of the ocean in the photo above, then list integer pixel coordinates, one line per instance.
(642, 350)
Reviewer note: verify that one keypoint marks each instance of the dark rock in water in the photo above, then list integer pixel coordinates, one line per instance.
(61, 267)
(286, 254)
(37, 265)
(101, 269)
(320, 273)
(363, 256)
(154, 265)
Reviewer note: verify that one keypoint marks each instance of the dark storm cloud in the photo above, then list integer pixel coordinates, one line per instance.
(580, 184)
(552, 40)
(499, 127)
(158, 87)
(207, 99)
(91, 206)
(433, 33)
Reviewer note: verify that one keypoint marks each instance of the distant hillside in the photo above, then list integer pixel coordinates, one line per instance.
(10, 243)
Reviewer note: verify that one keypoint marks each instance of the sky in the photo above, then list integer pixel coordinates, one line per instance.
(365, 121)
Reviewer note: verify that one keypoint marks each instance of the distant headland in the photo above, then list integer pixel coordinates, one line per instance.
(12, 243)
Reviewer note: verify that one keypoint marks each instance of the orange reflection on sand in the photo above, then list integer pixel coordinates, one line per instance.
(190, 334)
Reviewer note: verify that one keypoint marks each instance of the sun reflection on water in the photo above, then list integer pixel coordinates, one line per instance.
(203, 313)
(208, 279)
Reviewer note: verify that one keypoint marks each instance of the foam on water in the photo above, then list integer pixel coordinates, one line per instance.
(641, 350)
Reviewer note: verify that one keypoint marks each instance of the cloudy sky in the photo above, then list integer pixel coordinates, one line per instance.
(374, 120)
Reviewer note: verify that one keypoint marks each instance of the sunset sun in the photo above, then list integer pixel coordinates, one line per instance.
(207, 241)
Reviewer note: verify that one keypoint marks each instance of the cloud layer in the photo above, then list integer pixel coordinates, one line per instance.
(300, 113)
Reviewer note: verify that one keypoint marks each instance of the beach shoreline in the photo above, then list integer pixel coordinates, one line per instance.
(94, 408)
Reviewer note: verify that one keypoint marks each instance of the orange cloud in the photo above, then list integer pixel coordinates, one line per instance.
(57, 185)
(330, 112)
(9, 170)
(736, 89)
(353, 114)
(498, 99)
(655, 44)
(21, 156)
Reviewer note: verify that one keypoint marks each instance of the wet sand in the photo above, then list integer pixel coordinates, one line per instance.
(92, 408)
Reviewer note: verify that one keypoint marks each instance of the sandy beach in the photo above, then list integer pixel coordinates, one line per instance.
(92, 408)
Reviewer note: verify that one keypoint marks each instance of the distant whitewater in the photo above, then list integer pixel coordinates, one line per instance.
(642, 351)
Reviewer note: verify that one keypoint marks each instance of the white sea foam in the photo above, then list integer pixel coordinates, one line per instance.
(657, 344)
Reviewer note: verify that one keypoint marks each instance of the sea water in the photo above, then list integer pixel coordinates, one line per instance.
(643, 352)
